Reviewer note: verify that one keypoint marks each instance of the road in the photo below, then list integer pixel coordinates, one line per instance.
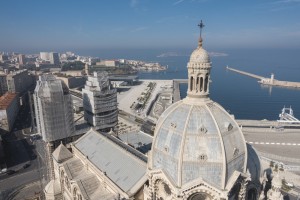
(282, 143)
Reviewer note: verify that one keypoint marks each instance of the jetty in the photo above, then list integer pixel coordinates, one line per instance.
(268, 81)
(176, 92)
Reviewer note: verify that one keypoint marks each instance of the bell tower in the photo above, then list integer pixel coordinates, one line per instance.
(199, 71)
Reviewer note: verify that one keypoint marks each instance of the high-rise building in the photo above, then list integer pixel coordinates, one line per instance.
(54, 58)
(100, 102)
(3, 84)
(22, 59)
(51, 57)
(53, 109)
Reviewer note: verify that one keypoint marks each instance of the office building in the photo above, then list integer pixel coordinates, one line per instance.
(100, 102)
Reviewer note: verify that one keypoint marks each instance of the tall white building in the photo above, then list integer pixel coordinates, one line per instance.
(53, 109)
(100, 102)
(51, 57)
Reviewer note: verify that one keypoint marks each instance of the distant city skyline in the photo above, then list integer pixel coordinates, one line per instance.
(32, 26)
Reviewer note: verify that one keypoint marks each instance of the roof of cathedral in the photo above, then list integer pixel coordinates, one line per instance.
(122, 167)
(195, 138)
(89, 185)
(61, 153)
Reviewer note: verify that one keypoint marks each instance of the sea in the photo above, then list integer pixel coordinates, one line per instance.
(240, 95)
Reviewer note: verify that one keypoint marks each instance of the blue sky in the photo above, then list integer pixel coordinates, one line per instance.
(124, 24)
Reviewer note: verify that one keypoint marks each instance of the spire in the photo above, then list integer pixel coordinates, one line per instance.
(201, 26)
(199, 71)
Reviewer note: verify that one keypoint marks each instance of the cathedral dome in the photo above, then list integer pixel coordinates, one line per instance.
(198, 140)
(200, 55)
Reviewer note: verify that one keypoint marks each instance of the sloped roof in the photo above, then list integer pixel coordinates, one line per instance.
(124, 169)
(61, 153)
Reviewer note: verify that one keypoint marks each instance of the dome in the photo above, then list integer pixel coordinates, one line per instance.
(200, 55)
(198, 140)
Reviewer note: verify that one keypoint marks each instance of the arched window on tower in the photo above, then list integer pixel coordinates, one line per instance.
(206, 83)
(191, 83)
(201, 84)
(197, 84)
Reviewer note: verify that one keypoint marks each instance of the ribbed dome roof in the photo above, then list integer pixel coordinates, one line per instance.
(198, 140)
(200, 55)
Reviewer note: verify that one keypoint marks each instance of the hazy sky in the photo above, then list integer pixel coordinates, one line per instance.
(73, 24)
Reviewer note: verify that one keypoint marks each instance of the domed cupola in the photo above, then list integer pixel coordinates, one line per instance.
(196, 144)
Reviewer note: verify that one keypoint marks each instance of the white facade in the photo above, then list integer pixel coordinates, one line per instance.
(53, 109)
(100, 102)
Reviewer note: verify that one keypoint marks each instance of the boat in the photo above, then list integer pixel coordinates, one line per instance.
(287, 116)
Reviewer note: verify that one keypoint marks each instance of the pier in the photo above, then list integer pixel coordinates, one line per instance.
(268, 81)
(176, 93)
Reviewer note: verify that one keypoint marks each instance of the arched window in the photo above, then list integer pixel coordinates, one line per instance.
(252, 194)
(206, 83)
(201, 84)
(197, 84)
(200, 196)
(191, 83)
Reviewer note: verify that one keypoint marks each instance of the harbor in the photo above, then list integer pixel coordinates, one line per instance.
(267, 81)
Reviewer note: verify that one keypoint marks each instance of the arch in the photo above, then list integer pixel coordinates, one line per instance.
(191, 83)
(234, 192)
(162, 190)
(200, 196)
(206, 83)
(252, 194)
(201, 84)
(197, 84)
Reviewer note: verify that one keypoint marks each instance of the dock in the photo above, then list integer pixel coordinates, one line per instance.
(176, 92)
(268, 81)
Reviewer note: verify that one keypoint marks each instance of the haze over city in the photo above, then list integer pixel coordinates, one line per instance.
(33, 26)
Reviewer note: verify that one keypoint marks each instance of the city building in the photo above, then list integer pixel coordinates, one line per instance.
(45, 56)
(53, 109)
(3, 57)
(100, 102)
(74, 81)
(20, 81)
(9, 108)
(3, 84)
(54, 58)
(51, 57)
(108, 63)
(22, 59)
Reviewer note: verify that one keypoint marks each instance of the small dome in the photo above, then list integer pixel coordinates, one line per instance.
(200, 55)
(198, 140)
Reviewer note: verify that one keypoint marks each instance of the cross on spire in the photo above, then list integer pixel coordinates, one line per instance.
(201, 26)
